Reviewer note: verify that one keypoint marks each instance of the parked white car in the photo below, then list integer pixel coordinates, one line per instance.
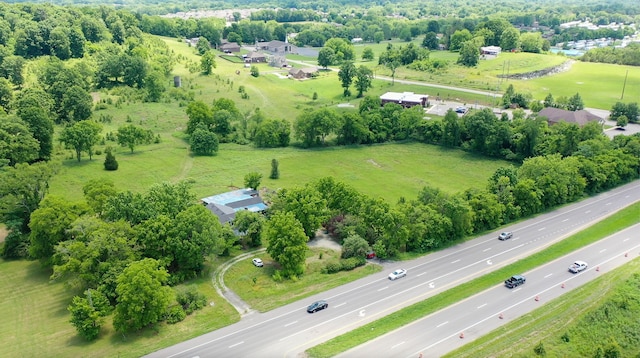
(257, 262)
(397, 274)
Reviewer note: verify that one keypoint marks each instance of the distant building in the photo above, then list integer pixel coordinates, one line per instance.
(225, 205)
(581, 117)
(229, 47)
(302, 73)
(490, 50)
(405, 99)
(278, 47)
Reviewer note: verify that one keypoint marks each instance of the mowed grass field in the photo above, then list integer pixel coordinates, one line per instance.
(35, 320)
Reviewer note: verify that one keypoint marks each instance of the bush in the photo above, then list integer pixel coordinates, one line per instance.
(343, 265)
(175, 315)
(191, 300)
(110, 162)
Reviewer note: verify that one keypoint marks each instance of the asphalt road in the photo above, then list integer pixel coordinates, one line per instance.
(290, 330)
(439, 333)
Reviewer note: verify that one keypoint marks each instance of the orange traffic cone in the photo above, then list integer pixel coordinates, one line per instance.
(461, 335)
(537, 298)
(501, 316)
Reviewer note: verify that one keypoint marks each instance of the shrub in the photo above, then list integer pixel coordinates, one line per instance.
(191, 300)
(110, 162)
(175, 314)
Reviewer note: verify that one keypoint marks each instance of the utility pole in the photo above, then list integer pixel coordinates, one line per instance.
(625, 84)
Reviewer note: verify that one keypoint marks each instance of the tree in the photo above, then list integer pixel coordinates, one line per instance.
(17, 144)
(469, 54)
(391, 60)
(354, 246)
(154, 84)
(22, 188)
(342, 49)
(255, 72)
(81, 137)
(346, 74)
(249, 224)
(431, 41)
(12, 68)
(203, 142)
(252, 180)
(326, 57)
(575, 103)
(87, 314)
(622, 121)
(531, 42)
(273, 133)
(367, 54)
(203, 45)
(143, 297)
(131, 135)
(458, 39)
(76, 105)
(275, 172)
(313, 127)
(286, 242)
(208, 62)
(97, 192)
(510, 39)
(364, 77)
(6, 94)
(49, 225)
(110, 162)
(306, 204)
(41, 127)
(59, 43)
(451, 129)
(199, 114)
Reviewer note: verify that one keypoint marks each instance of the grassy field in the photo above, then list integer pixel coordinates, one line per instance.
(622, 219)
(35, 322)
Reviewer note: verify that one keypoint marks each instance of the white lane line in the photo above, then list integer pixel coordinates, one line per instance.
(587, 212)
(453, 262)
(397, 345)
(382, 289)
(442, 324)
(342, 304)
(603, 250)
(625, 240)
(482, 305)
(549, 275)
(516, 290)
(237, 344)
(485, 250)
(289, 324)
(542, 228)
(565, 220)
(609, 203)
(420, 274)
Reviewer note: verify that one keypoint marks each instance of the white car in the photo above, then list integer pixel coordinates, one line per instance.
(257, 262)
(578, 266)
(397, 274)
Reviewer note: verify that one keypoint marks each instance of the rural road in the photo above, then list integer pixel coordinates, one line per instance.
(289, 330)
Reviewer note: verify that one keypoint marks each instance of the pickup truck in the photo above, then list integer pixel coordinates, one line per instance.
(515, 281)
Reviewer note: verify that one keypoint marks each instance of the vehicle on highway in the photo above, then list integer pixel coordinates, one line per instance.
(397, 274)
(317, 306)
(257, 262)
(371, 255)
(578, 266)
(515, 281)
(461, 109)
(505, 235)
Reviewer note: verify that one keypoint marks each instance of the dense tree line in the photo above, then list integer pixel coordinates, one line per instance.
(629, 55)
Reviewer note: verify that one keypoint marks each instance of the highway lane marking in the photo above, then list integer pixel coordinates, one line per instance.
(542, 228)
(237, 344)
(342, 304)
(489, 262)
(517, 289)
(442, 324)
(289, 324)
(432, 285)
(420, 274)
(397, 345)
(453, 262)
(603, 250)
(482, 305)
(565, 220)
(587, 212)
(625, 240)
(382, 289)
(609, 203)
(485, 250)
(549, 275)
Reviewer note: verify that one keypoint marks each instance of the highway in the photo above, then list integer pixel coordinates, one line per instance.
(440, 333)
(290, 330)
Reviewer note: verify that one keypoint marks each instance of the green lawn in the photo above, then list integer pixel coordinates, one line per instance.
(35, 321)
(264, 294)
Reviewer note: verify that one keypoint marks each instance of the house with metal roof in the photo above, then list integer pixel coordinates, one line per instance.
(226, 205)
